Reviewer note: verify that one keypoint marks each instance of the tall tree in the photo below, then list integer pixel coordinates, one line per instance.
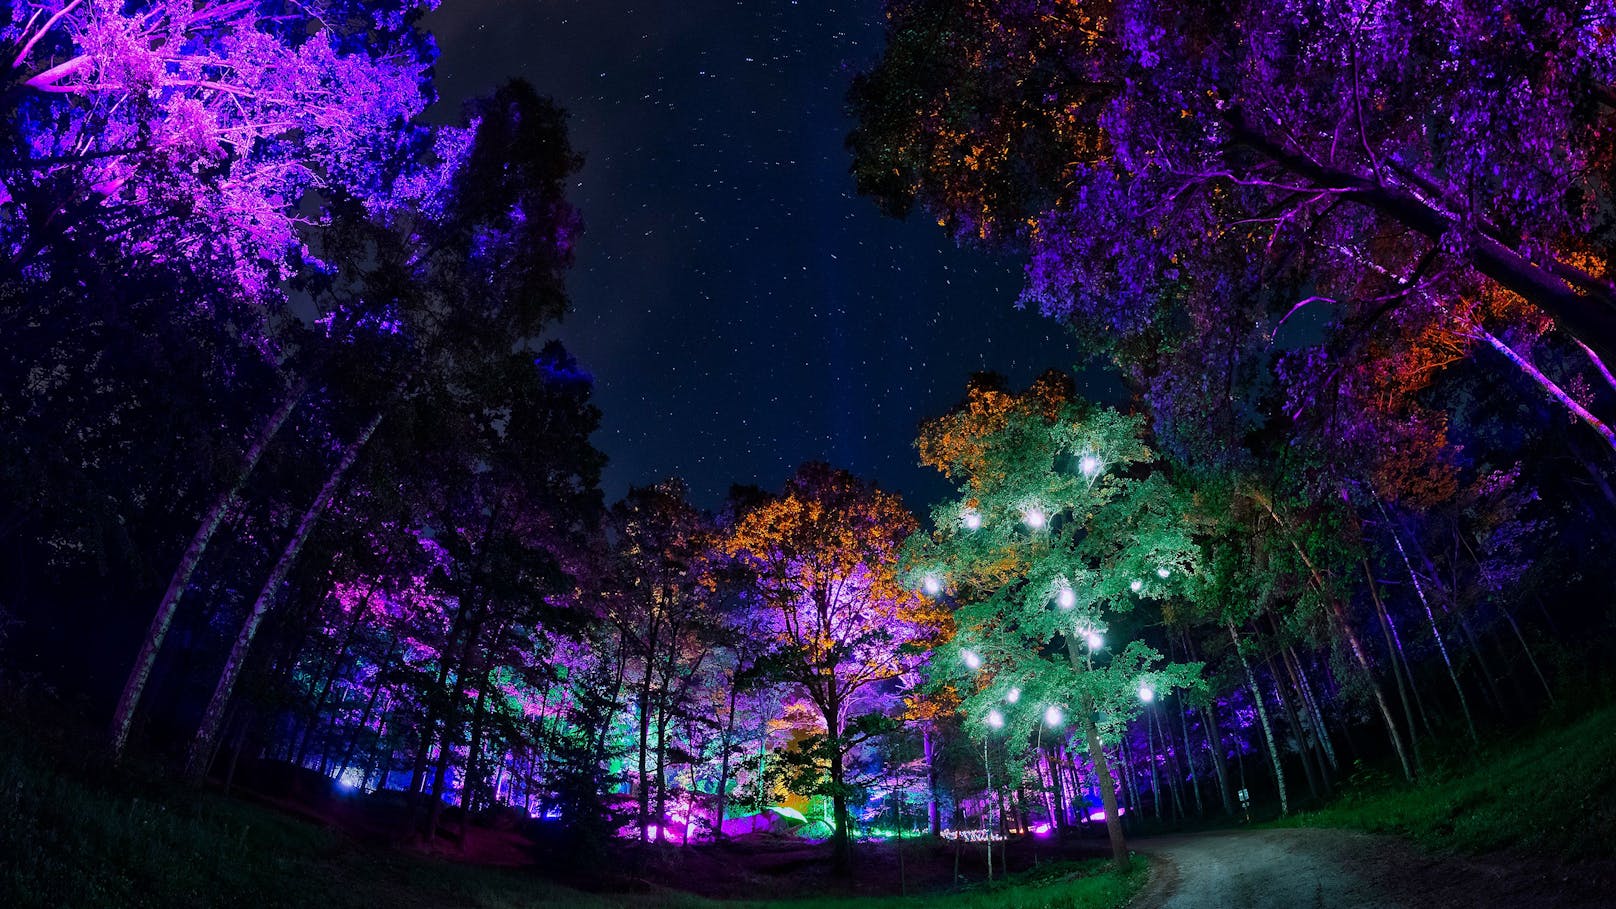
(824, 556)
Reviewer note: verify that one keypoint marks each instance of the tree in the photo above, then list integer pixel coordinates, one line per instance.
(1063, 524)
(823, 555)
(1158, 161)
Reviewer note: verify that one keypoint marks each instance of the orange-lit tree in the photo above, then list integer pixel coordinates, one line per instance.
(823, 555)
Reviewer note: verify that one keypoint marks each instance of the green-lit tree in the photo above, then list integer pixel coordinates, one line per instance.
(1063, 524)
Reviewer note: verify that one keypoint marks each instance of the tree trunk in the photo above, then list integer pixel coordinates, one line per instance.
(726, 742)
(1214, 741)
(123, 716)
(1108, 789)
(1442, 648)
(207, 733)
(1262, 715)
(1352, 636)
(841, 843)
(933, 813)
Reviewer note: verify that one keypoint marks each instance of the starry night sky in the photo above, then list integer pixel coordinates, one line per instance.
(741, 308)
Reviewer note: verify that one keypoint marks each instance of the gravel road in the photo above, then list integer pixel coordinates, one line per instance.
(1337, 869)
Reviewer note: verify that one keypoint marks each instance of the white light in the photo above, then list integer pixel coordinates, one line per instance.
(995, 719)
(971, 520)
(1065, 597)
(1162, 572)
(1136, 586)
(971, 659)
(1147, 693)
(1034, 518)
(1090, 465)
(932, 585)
(1095, 641)
(1052, 716)
(1014, 695)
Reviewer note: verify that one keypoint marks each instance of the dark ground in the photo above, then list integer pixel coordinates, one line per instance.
(1336, 869)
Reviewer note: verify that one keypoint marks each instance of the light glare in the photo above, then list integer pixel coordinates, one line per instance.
(1052, 716)
(1014, 695)
(995, 719)
(971, 659)
(971, 520)
(1147, 693)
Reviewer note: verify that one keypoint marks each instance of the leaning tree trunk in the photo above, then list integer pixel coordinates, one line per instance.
(124, 715)
(1262, 714)
(207, 733)
(1102, 767)
(725, 742)
(1442, 647)
(1358, 653)
(1220, 762)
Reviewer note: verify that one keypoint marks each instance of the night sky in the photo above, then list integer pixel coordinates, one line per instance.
(742, 309)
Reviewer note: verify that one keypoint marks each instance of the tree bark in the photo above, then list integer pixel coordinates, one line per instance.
(123, 716)
(1262, 715)
(202, 746)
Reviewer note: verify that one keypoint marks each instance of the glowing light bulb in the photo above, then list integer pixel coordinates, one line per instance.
(1034, 518)
(1136, 586)
(995, 719)
(1014, 695)
(1065, 597)
(1089, 465)
(1094, 640)
(971, 520)
(971, 659)
(1052, 716)
(1147, 693)
(1162, 572)
(933, 585)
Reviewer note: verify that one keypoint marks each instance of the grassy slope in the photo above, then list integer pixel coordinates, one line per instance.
(1552, 792)
(83, 836)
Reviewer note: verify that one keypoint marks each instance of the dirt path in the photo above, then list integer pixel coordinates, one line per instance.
(1336, 869)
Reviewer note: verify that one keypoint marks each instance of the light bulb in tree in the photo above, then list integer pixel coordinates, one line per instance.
(1014, 695)
(1052, 716)
(995, 719)
(972, 661)
(1035, 518)
(1162, 573)
(1094, 640)
(1136, 586)
(933, 585)
(1147, 693)
(972, 520)
(1065, 597)
(1089, 465)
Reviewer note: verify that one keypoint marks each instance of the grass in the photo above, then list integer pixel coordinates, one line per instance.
(75, 832)
(1552, 792)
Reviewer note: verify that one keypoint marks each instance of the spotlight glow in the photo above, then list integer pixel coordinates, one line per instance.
(1034, 518)
(1089, 465)
(971, 659)
(1065, 597)
(971, 520)
(1136, 586)
(933, 585)
(1052, 716)
(1094, 640)
(1014, 695)
(1147, 693)
(995, 719)
(1162, 572)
